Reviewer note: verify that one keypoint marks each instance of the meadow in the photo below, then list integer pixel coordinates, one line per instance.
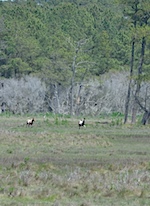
(55, 163)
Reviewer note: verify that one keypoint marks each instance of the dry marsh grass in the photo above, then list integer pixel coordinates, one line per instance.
(55, 163)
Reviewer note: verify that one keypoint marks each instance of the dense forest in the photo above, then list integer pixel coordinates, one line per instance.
(55, 56)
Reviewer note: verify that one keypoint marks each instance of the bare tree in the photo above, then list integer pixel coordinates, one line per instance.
(24, 95)
(76, 64)
(104, 96)
(94, 97)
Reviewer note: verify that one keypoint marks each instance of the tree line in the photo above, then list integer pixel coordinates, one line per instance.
(67, 43)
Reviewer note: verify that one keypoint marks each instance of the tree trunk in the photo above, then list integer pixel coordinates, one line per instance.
(146, 117)
(130, 82)
(138, 84)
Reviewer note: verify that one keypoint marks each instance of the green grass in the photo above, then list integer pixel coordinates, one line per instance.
(54, 162)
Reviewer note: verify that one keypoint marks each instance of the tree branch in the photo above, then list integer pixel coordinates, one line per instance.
(139, 103)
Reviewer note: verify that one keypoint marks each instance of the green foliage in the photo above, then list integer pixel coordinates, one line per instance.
(35, 38)
(40, 38)
(116, 114)
(116, 122)
(117, 119)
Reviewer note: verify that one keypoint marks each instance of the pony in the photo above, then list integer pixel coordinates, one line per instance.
(30, 121)
(81, 123)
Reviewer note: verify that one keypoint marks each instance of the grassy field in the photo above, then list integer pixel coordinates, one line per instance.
(54, 163)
